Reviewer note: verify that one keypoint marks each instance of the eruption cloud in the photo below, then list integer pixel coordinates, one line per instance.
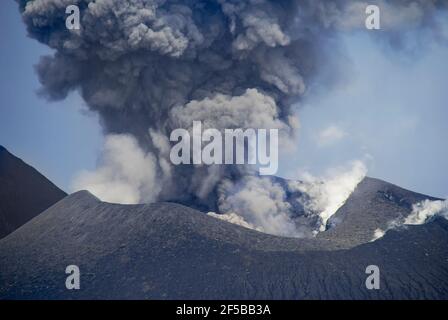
(150, 66)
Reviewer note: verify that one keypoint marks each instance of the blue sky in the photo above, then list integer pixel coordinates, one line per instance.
(391, 111)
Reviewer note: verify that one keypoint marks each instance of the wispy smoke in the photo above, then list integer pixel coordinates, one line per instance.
(235, 219)
(421, 213)
(330, 135)
(149, 66)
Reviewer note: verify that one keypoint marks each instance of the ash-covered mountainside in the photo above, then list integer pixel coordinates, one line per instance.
(169, 251)
(24, 192)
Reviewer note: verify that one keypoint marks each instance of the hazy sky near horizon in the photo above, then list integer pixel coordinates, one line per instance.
(391, 111)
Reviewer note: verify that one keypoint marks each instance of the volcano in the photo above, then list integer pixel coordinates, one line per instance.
(24, 192)
(170, 251)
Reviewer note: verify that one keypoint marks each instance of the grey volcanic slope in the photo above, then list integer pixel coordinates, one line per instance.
(169, 251)
(24, 192)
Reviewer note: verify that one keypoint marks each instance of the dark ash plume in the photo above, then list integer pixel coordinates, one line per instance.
(150, 66)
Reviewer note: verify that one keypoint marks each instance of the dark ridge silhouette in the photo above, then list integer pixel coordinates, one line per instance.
(24, 192)
(170, 251)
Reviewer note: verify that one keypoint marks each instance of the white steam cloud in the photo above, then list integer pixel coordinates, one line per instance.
(125, 173)
(327, 194)
(421, 213)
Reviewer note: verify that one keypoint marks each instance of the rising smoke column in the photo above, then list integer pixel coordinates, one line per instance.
(150, 66)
